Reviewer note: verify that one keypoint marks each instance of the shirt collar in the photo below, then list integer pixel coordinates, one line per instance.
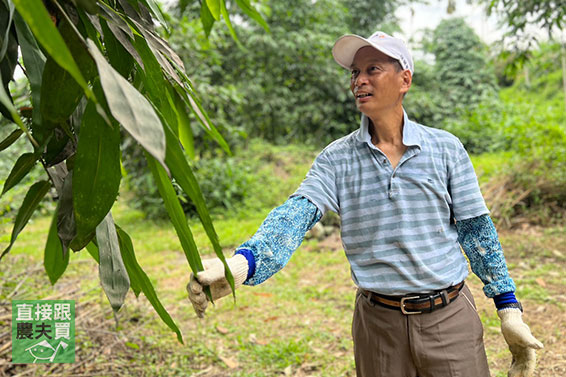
(411, 134)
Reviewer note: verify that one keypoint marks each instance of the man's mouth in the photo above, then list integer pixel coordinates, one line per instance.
(363, 95)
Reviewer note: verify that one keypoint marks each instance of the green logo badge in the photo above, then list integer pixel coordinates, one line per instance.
(43, 331)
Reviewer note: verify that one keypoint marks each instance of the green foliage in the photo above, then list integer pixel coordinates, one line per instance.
(113, 273)
(521, 130)
(282, 86)
(96, 68)
(231, 184)
(226, 182)
(544, 14)
(517, 19)
(528, 123)
(537, 135)
(55, 260)
(481, 128)
(459, 80)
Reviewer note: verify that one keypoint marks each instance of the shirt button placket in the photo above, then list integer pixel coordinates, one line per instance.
(393, 191)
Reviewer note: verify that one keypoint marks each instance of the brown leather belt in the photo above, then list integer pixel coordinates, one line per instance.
(416, 303)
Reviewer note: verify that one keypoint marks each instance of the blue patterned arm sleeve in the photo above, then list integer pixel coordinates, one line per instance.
(480, 242)
(280, 234)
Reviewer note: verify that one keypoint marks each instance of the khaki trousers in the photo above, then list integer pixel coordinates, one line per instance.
(446, 342)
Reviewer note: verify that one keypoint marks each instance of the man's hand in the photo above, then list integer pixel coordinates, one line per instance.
(521, 342)
(213, 276)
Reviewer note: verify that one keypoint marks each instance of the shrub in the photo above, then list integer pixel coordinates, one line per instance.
(256, 177)
(528, 183)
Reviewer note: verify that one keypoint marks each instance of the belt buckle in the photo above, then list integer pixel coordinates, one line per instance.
(402, 305)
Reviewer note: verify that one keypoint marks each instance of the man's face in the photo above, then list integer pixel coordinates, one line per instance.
(377, 82)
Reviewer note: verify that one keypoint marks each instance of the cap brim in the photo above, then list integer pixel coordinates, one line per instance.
(345, 49)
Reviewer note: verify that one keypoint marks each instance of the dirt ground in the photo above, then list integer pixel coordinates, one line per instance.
(289, 327)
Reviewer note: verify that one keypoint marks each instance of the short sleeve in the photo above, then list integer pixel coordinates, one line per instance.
(319, 186)
(464, 189)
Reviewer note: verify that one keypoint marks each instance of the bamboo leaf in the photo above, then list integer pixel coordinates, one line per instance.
(206, 18)
(37, 18)
(88, 5)
(229, 23)
(129, 258)
(34, 60)
(130, 108)
(96, 177)
(59, 147)
(117, 21)
(121, 31)
(194, 104)
(188, 96)
(32, 199)
(60, 92)
(54, 260)
(162, 51)
(176, 214)
(184, 126)
(120, 58)
(93, 251)
(214, 7)
(185, 178)
(7, 103)
(8, 53)
(138, 275)
(66, 228)
(154, 82)
(21, 168)
(157, 13)
(113, 274)
(6, 25)
(246, 6)
(10, 139)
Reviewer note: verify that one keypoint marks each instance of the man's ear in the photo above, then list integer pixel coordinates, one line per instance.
(407, 78)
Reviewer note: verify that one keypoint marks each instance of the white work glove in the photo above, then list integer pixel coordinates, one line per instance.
(521, 342)
(213, 276)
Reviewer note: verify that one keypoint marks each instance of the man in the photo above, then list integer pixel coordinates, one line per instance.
(408, 198)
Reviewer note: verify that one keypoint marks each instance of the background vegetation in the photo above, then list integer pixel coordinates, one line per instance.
(277, 98)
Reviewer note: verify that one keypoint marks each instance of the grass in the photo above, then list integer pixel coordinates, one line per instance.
(296, 323)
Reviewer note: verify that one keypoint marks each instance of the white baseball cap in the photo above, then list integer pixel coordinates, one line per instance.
(347, 45)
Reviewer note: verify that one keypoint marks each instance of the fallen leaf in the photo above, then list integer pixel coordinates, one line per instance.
(222, 330)
(288, 371)
(270, 319)
(540, 282)
(230, 363)
(557, 254)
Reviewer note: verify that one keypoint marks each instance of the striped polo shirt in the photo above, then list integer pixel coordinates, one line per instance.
(397, 225)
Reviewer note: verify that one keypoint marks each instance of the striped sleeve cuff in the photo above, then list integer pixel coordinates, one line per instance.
(503, 299)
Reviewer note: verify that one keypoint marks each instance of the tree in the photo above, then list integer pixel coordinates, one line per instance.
(461, 77)
(517, 14)
(284, 85)
(281, 86)
(95, 68)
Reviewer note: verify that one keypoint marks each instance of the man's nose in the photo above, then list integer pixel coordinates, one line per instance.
(361, 79)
